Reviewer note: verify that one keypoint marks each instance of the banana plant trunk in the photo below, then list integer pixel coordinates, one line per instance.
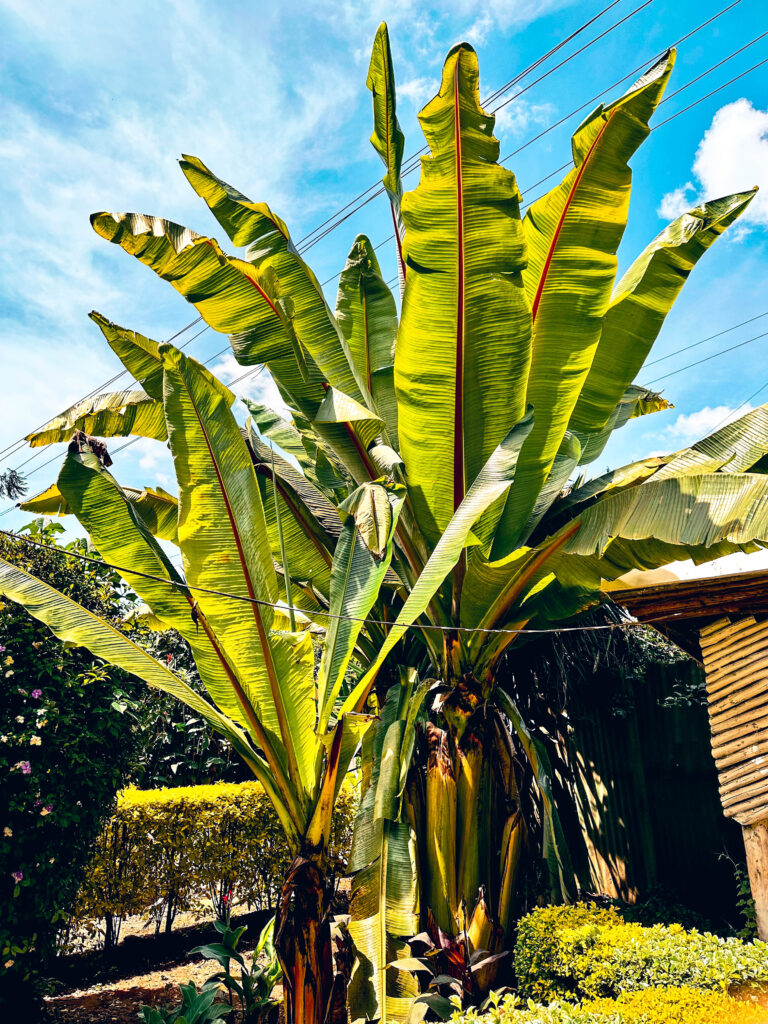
(311, 993)
(473, 825)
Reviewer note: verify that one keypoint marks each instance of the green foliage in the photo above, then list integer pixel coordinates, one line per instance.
(65, 745)
(745, 903)
(195, 1008)
(673, 1005)
(165, 850)
(255, 985)
(583, 952)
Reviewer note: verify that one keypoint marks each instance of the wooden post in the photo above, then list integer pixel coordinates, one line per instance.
(735, 658)
(756, 845)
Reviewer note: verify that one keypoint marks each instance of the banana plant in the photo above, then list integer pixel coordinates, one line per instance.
(262, 691)
(469, 418)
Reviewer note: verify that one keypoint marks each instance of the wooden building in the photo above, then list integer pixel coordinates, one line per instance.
(722, 621)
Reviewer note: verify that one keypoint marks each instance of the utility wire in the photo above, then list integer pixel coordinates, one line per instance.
(183, 585)
(631, 74)
(701, 341)
(706, 359)
(413, 163)
(499, 92)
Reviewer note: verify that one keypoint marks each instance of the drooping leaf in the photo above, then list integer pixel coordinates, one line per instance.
(272, 250)
(733, 448)
(573, 233)
(384, 903)
(636, 401)
(463, 347)
(641, 301)
(555, 848)
(71, 622)
(116, 414)
(156, 509)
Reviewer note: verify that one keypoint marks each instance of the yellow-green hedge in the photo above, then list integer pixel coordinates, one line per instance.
(164, 850)
(583, 952)
(648, 1006)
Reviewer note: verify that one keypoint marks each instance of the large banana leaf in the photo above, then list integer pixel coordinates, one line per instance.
(387, 138)
(120, 536)
(230, 294)
(492, 482)
(463, 347)
(225, 548)
(573, 233)
(366, 314)
(272, 250)
(157, 510)
(734, 448)
(116, 414)
(384, 904)
(641, 301)
(360, 562)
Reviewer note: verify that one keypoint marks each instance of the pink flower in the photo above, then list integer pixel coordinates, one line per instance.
(22, 692)
(26, 768)
(37, 693)
(17, 876)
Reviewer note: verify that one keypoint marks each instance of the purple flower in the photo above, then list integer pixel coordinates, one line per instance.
(2, 649)
(37, 693)
(26, 768)
(22, 692)
(17, 876)
(38, 803)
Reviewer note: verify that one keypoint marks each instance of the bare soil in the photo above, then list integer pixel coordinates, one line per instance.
(95, 987)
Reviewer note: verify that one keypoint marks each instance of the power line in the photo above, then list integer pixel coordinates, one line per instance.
(500, 91)
(593, 99)
(183, 585)
(413, 163)
(706, 359)
(710, 337)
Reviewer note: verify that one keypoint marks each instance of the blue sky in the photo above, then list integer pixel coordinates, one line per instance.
(99, 100)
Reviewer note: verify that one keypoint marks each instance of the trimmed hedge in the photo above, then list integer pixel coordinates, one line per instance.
(648, 1006)
(584, 952)
(166, 850)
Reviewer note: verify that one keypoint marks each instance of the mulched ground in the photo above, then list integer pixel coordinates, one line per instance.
(99, 988)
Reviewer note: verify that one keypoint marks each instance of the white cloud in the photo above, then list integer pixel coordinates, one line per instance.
(731, 157)
(692, 426)
(518, 116)
(258, 385)
(677, 202)
(418, 91)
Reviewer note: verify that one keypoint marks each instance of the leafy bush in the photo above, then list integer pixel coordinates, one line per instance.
(583, 952)
(65, 745)
(195, 1008)
(163, 850)
(648, 1006)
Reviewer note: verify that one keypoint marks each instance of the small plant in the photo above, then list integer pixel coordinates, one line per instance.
(254, 987)
(196, 1008)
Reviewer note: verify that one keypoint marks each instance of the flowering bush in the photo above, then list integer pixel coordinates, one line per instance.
(64, 748)
(583, 952)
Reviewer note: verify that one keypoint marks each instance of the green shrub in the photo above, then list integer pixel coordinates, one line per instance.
(65, 744)
(583, 952)
(164, 850)
(648, 1006)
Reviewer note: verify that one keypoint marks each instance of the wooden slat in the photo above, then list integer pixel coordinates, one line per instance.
(732, 705)
(756, 750)
(740, 770)
(754, 775)
(748, 725)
